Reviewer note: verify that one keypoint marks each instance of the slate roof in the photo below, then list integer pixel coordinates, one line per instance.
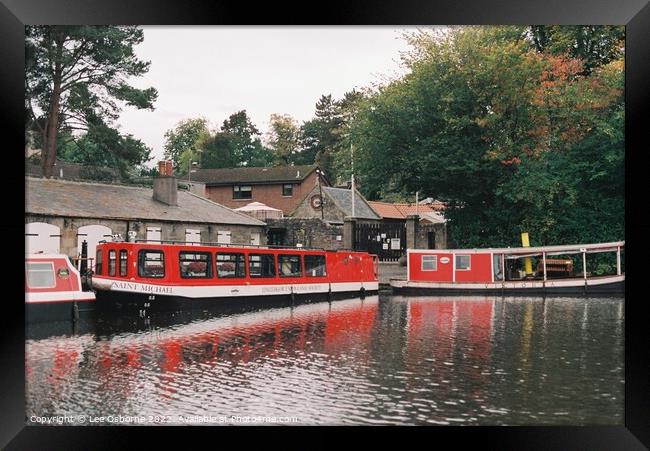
(69, 170)
(229, 176)
(95, 200)
(343, 199)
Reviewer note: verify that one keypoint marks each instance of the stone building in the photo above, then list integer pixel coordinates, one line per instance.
(336, 204)
(60, 215)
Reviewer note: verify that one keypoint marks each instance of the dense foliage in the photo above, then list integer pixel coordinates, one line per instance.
(515, 138)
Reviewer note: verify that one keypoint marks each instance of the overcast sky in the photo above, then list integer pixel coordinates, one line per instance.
(214, 71)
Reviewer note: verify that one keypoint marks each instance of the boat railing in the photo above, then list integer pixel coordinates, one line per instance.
(212, 243)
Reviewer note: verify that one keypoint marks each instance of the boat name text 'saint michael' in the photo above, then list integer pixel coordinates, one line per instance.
(140, 287)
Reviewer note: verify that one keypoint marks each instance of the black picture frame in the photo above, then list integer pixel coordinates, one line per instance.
(635, 14)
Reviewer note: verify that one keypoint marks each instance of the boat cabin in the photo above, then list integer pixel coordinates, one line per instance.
(206, 264)
(506, 264)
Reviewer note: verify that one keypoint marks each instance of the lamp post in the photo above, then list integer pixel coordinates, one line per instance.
(353, 190)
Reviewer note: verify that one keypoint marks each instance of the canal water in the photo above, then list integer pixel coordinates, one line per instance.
(380, 360)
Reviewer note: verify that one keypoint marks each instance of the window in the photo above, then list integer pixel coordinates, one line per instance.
(242, 192)
(261, 265)
(463, 262)
(98, 262)
(290, 266)
(230, 265)
(195, 265)
(315, 266)
(224, 236)
(154, 234)
(151, 264)
(124, 258)
(192, 236)
(111, 262)
(287, 189)
(429, 263)
(40, 275)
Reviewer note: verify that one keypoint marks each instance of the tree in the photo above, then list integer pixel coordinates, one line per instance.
(513, 139)
(106, 147)
(219, 151)
(248, 149)
(594, 45)
(283, 139)
(76, 79)
(185, 136)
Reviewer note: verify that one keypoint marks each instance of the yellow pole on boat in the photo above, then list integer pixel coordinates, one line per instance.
(528, 264)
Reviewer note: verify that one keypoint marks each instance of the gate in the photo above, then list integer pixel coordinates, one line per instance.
(386, 240)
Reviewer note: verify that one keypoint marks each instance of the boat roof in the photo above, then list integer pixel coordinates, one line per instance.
(567, 248)
(44, 256)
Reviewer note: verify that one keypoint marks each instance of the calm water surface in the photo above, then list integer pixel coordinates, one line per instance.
(381, 360)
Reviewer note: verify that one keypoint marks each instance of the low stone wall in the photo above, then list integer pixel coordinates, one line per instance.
(310, 232)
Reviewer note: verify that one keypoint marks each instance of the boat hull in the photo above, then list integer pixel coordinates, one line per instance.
(605, 286)
(114, 295)
(57, 311)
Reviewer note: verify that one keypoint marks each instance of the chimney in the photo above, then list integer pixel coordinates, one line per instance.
(165, 189)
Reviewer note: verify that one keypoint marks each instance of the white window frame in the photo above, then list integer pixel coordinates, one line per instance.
(192, 233)
(469, 266)
(435, 262)
(154, 230)
(224, 233)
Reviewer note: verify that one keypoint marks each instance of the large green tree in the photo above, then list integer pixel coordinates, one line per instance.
(106, 147)
(77, 78)
(247, 146)
(513, 138)
(185, 138)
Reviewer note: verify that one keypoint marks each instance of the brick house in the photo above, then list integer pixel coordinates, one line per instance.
(281, 187)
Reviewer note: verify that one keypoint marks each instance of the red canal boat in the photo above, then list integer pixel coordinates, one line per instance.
(53, 289)
(523, 270)
(167, 276)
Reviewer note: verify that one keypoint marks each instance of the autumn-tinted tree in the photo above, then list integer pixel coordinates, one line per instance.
(512, 138)
(76, 79)
(283, 139)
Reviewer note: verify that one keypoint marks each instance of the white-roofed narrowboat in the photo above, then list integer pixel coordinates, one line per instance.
(557, 270)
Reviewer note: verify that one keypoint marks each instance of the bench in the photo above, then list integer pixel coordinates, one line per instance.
(556, 266)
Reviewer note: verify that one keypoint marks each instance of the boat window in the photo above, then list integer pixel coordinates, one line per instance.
(261, 265)
(230, 265)
(98, 262)
(111, 262)
(40, 275)
(290, 265)
(195, 264)
(151, 264)
(463, 262)
(124, 258)
(315, 266)
(429, 263)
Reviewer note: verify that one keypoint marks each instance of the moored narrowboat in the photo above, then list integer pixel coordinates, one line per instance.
(167, 276)
(524, 270)
(53, 289)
